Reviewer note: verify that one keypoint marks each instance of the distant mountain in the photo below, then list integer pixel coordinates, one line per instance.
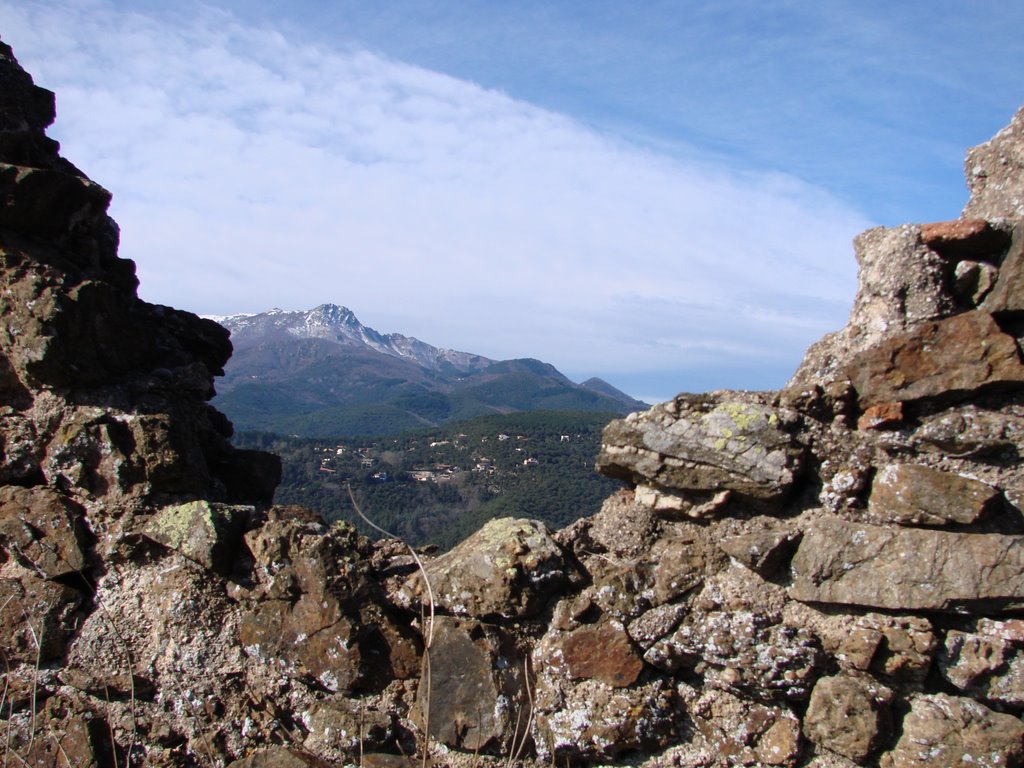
(323, 373)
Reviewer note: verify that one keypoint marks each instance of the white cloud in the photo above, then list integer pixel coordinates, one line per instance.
(250, 171)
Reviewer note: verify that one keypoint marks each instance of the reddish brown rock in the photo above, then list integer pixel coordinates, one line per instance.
(601, 652)
(955, 356)
(881, 416)
(963, 237)
(985, 666)
(36, 618)
(911, 494)
(280, 757)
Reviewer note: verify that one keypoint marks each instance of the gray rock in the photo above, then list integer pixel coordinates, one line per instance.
(907, 569)
(995, 171)
(704, 443)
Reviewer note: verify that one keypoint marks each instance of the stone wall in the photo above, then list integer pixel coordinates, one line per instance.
(831, 575)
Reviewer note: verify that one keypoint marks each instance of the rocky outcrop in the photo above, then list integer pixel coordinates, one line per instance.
(827, 576)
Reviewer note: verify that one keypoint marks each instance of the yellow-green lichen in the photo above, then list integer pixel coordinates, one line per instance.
(744, 416)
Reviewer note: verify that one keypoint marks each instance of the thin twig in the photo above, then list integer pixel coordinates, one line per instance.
(517, 752)
(428, 635)
(35, 677)
(195, 718)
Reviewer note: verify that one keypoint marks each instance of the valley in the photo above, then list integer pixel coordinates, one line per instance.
(437, 486)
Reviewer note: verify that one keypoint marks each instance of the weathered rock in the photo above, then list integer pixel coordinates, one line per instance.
(509, 568)
(972, 281)
(900, 283)
(943, 731)
(476, 685)
(848, 715)
(907, 569)
(653, 625)
(763, 552)
(682, 560)
(73, 736)
(951, 357)
(703, 443)
(994, 172)
(599, 652)
(985, 666)
(741, 733)
(623, 528)
(911, 494)
(280, 757)
(592, 720)
(742, 651)
(37, 618)
(207, 533)
(339, 727)
(43, 530)
(1007, 295)
(902, 646)
(969, 431)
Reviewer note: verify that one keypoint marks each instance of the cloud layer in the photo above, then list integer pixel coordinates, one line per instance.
(252, 170)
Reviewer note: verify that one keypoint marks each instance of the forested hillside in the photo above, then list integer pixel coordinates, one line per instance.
(436, 486)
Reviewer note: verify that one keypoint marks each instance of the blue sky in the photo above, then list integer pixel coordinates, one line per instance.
(660, 193)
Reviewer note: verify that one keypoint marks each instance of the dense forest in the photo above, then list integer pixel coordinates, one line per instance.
(437, 486)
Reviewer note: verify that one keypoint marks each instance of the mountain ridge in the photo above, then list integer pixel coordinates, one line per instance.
(321, 372)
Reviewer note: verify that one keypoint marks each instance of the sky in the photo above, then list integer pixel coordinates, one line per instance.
(662, 194)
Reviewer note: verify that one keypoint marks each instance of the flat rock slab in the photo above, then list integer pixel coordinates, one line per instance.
(907, 569)
(958, 355)
(703, 443)
(911, 494)
(963, 237)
